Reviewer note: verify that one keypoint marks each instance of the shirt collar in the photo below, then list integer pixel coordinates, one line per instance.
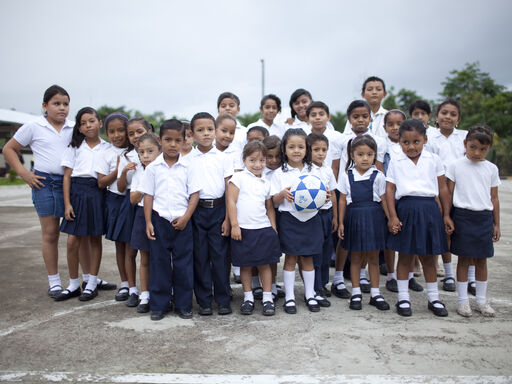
(246, 171)
(161, 161)
(381, 111)
(45, 123)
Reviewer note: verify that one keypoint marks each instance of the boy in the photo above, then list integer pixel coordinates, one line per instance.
(420, 110)
(229, 103)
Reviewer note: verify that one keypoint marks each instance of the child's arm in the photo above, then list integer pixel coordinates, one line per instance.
(271, 213)
(148, 209)
(231, 199)
(135, 197)
(69, 214)
(394, 224)
(334, 211)
(496, 233)
(444, 196)
(335, 168)
(379, 166)
(225, 228)
(342, 208)
(10, 152)
(181, 222)
(105, 180)
(448, 222)
(384, 205)
(284, 194)
(121, 182)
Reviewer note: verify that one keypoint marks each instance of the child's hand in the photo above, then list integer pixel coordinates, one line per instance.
(287, 195)
(496, 233)
(289, 121)
(394, 225)
(448, 225)
(274, 228)
(327, 195)
(130, 167)
(180, 223)
(334, 225)
(69, 213)
(236, 233)
(150, 231)
(225, 228)
(33, 180)
(341, 231)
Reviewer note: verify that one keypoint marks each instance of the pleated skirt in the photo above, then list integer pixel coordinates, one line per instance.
(365, 227)
(258, 247)
(112, 205)
(124, 224)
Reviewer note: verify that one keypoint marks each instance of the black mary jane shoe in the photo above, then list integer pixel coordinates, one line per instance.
(438, 311)
(123, 294)
(143, 308)
(322, 301)
(404, 311)
(312, 306)
(356, 304)
(67, 294)
(290, 309)
(247, 307)
(342, 293)
(381, 305)
(87, 294)
(449, 284)
(53, 293)
(414, 285)
(269, 308)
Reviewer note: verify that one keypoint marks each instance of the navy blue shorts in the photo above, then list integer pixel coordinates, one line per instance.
(49, 200)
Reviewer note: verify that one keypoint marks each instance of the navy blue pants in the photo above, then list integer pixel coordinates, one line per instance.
(178, 244)
(210, 256)
(322, 261)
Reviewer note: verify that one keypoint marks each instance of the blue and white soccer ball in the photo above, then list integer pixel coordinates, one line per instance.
(309, 193)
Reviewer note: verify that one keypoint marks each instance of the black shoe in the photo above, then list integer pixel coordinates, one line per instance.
(157, 315)
(280, 292)
(290, 309)
(247, 307)
(342, 293)
(132, 301)
(224, 310)
(257, 293)
(404, 311)
(441, 312)
(87, 294)
(205, 311)
(269, 309)
(53, 294)
(66, 294)
(184, 313)
(449, 284)
(332, 263)
(323, 302)
(106, 286)
(324, 292)
(414, 285)
(356, 304)
(392, 285)
(379, 304)
(365, 285)
(472, 288)
(383, 269)
(143, 308)
(313, 307)
(237, 279)
(123, 294)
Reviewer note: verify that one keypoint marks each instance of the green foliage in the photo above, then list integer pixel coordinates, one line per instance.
(156, 118)
(12, 175)
(248, 118)
(339, 120)
(403, 99)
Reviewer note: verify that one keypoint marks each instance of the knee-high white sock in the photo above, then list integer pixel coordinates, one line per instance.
(462, 289)
(289, 284)
(481, 291)
(54, 281)
(471, 273)
(448, 271)
(309, 283)
(403, 292)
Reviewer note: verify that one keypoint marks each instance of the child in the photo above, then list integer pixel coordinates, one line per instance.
(257, 133)
(225, 131)
(362, 221)
(229, 103)
(148, 148)
(328, 213)
(170, 197)
(420, 110)
(270, 106)
(83, 201)
(48, 138)
(188, 145)
(299, 102)
(473, 183)
(253, 226)
(210, 220)
(415, 178)
(300, 233)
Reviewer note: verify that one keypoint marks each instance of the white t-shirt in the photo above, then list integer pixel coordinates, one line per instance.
(106, 163)
(347, 136)
(377, 124)
(473, 182)
(379, 184)
(212, 168)
(335, 145)
(448, 148)
(137, 178)
(327, 176)
(124, 160)
(82, 160)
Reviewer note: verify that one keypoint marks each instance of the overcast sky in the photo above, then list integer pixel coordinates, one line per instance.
(177, 57)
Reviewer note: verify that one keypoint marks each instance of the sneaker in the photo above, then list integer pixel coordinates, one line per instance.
(485, 309)
(472, 288)
(464, 309)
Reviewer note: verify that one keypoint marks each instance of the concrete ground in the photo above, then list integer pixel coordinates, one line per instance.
(104, 341)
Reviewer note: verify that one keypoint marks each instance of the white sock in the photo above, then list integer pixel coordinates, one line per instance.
(448, 271)
(411, 275)
(267, 296)
(274, 289)
(362, 274)
(134, 290)
(256, 282)
(85, 277)
(74, 284)
(248, 296)
(54, 281)
(471, 274)
(144, 297)
(403, 292)
(374, 292)
(236, 270)
(356, 291)
(289, 283)
(338, 277)
(433, 293)
(462, 289)
(124, 284)
(309, 283)
(481, 291)
(92, 283)
(391, 276)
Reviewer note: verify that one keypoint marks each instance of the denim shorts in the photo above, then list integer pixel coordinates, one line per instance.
(49, 200)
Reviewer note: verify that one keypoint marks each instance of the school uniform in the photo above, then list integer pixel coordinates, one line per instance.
(170, 188)
(392, 149)
(377, 124)
(47, 145)
(86, 198)
(472, 211)
(274, 129)
(210, 247)
(423, 231)
(259, 244)
(448, 148)
(235, 155)
(335, 145)
(240, 138)
(139, 239)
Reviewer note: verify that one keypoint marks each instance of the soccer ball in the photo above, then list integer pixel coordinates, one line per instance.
(309, 193)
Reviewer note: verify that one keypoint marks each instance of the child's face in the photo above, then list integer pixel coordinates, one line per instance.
(204, 133)
(374, 92)
(318, 118)
(116, 133)
(172, 143)
(269, 110)
(147, 151)
(475, 150)
(189, 139)
(57, 109)
(393, 125)
(89, 125)
(319, 152)
(360, 119)
(301, 105)
(420, 114)
(255, 163)
(363, 156)
(273, 158)
(225, 133)
(229, 106)
(255, 135)
(295, 150)
(135, 130)
(448, 117)
(412, 143)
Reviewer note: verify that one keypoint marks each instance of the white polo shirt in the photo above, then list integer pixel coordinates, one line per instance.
(124, 160)
(297, 123)
(377, 124)
(212, 168)
(473, 182)
(274, 129)
(448, 148)
(137, 182)
(415, 179)
(327, 176)
(233, 152)
(379, 184)
(82, 160)
(170, 187)
(335, 145)
(393, 148)
(46, 143)
(106, 163)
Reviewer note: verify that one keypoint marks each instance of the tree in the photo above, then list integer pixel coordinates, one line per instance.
(155, 119)
(339, 120)
(402, 99)
(248, 118)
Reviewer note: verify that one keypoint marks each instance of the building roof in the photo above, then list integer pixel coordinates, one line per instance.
(16, 117)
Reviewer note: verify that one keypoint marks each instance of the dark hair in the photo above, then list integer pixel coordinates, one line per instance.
(262, 130)
(483, 133)
(451, 101)
(115, 116)
(357, 142)
(317, 104)
(295, 95)
(357, 104)
(77, 138)
(172, 125)
(272, 142)
(410, 125)
(314, 137)
(222, 117)
(253, 146)
(271, 97)
(148, 126)
(295, 132)
(227, 95)
(52, 91)
(420, 104)
(393, 111)
(151, 137)
(186, 125)
(201, 115)
(373, 78)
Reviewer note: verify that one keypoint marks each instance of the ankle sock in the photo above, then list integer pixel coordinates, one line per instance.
(338, 277)
(124, 284)
(411, 275)
(274, 289)
(74, 284)
(54, 281)
(248, 296)
(481, 291)
(144, 297)
(134, 290)
(362, 274)
(391, 276)
(267, 296)
(85, 277)
(403, 292)
(462, 289)
(448, 271)
(92, 283)
(356, 291)
(289, 283)
(433, 294)
(375, 292)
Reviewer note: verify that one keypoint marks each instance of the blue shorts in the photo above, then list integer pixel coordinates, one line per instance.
(49, 200)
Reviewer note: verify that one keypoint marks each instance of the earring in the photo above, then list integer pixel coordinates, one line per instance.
(437, 124)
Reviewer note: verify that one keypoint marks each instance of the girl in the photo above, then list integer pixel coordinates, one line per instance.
(415, 178)
(48, 138)
(299, 102)
(188, 145)
(473, 184)
(253, 226)
(300, 233)
(270, 106)
(128, 162)
(83, 202)
(148, 149)
(362, 221)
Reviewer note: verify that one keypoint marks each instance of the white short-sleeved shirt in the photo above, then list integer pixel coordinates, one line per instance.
(250, 206)
(335, 145)
(212, 168)
(327, 176)
(274, 129)
(376, 126)
(106, 163)
(233, 152)
(393, 148)
(137, 178)
(240, 138)
(379, 184)
(415, 179)
(46, 143)
(297, 123)
(473, 182)
(82, 160)
(170, 187)
(448, 148)
(124, 160)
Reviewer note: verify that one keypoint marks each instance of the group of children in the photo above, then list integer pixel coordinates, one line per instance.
(211, 194)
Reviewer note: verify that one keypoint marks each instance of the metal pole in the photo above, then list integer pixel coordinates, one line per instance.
(262, 78)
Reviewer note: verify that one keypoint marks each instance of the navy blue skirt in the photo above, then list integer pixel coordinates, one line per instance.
(423, 231)
(364, 227)
(124, 224)
(139, 239)
(300, 238)
(87, 201)
(258, 247)
(112, 204)
(473, 233)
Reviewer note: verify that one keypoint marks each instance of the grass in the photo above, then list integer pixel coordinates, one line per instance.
(17, 181)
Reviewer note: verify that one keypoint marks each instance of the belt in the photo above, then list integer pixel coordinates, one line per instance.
(325, 211)
(210, 203)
